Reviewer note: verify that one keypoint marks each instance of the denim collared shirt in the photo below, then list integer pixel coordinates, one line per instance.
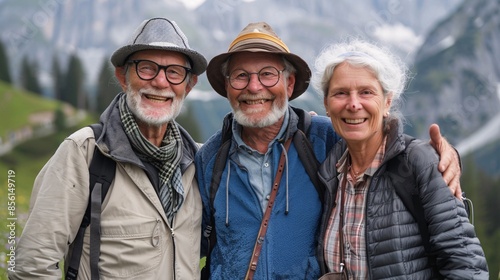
(258, 165)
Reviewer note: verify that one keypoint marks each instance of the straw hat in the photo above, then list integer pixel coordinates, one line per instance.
(258, 37)
(160, 34)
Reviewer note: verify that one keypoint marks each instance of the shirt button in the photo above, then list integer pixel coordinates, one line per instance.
(267, 197)
(266, 164)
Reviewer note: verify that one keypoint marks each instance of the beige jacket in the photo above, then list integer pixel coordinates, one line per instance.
(136, 241)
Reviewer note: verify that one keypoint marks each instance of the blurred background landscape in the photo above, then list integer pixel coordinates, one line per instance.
(55, 76)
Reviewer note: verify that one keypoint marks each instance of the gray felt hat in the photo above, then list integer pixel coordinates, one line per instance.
(160, 34)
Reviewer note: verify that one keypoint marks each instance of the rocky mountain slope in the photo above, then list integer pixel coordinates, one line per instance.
(452, 45)
(457, 80)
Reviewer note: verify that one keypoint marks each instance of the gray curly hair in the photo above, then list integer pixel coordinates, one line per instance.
(391, 72)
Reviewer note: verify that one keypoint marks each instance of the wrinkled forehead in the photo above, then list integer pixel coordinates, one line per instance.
(161, 56)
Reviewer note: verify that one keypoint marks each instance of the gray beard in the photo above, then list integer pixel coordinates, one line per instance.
(274, 116)
(133, 101)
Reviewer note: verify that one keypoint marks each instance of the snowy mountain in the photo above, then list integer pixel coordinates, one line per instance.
(453, 47)
(458, 77)
(94, 28)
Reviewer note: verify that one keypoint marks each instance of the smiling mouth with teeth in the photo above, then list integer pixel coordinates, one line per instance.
(254, 102)
(354, 121)
(156, 98)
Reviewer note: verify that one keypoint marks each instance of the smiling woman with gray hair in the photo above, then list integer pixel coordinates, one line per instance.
(391, 71)
(367, 232)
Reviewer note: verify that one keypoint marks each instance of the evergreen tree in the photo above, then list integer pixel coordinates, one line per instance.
(4, 65)
(107, 88)
(483, 191)
(189, 122)
(58, 78)
(59, 119)
(29, 78)
(73, 90)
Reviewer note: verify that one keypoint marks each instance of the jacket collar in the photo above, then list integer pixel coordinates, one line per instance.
(395, 144)
(395, 139)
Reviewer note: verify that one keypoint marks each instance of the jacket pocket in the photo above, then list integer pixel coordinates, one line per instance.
(130, 248)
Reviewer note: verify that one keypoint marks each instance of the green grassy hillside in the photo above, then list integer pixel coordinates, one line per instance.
(22, 164)
(16, 107)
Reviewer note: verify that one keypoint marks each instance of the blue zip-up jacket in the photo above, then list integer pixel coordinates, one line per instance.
(288, 251)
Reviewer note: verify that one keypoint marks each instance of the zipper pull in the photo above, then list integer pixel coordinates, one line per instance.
(155, 238)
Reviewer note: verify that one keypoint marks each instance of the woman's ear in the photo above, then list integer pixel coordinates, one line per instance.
(325, 103)
(388, 103)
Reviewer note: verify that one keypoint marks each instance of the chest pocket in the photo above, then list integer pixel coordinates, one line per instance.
(131, 247)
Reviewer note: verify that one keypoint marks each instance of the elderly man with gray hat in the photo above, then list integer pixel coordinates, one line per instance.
(262, 203)
(150, 224)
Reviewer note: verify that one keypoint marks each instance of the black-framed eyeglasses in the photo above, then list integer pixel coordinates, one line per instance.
(148, 70)
(268, 76)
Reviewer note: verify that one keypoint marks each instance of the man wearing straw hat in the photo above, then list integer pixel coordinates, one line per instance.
(261, 212)
(150, 224)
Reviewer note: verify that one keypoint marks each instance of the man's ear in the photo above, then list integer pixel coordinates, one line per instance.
(290, 84)
(120, 74)
(190, 85)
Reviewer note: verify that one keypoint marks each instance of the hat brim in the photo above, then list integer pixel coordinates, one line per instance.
(198, 61)
(217, 79)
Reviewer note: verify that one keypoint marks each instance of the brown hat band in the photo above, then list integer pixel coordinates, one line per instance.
(258, 37)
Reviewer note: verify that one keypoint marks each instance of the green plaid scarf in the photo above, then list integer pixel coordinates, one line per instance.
(166, 158)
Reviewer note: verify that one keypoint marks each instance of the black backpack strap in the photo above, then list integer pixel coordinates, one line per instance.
(311, 164)
(102, 171)
(304, 119)
(407, 190)
(219, 165)
(306, 152)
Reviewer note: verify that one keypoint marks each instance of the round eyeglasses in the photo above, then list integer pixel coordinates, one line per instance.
(148, 70)
(268, 77)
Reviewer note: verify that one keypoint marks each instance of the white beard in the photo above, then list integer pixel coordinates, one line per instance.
(142, 113)
(275, 115)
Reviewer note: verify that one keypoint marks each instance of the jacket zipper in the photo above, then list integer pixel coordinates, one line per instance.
(173, 248)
